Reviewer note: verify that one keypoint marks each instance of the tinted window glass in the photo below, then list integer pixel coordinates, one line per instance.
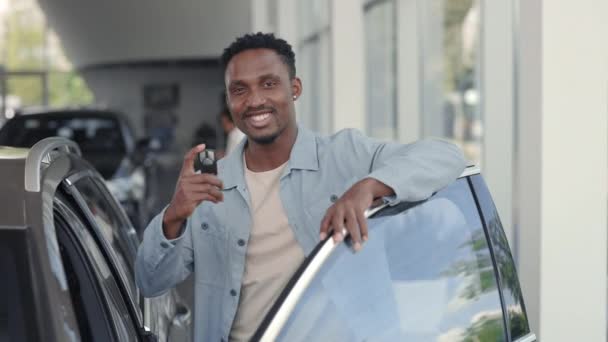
(424, 275)
(99, 138)
(512, 296)
(114, 228)
(122, 321)
(16, 306)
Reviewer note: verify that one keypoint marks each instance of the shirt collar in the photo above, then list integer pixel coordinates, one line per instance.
(303, 157)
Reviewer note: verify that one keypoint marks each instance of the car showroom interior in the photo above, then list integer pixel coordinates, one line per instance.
(498, 230)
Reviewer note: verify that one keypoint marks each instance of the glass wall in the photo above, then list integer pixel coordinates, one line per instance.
(314, 64)
(33, 68)
(450, 73)
(381, 68)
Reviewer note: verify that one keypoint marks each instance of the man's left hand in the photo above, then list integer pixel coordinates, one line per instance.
(348, 212)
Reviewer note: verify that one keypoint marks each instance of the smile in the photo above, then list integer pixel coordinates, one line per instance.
(259, 120)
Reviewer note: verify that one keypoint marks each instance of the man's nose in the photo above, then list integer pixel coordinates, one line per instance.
(256, 99)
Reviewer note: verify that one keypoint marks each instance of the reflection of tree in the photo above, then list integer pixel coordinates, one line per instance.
(480, 267)
(509, 280)
(488, 328)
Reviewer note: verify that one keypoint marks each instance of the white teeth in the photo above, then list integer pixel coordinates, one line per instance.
(260, 117)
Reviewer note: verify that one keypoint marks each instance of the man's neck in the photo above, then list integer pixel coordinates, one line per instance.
(265, 157)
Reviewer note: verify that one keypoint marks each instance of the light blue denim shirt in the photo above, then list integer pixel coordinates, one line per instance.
(320, 170)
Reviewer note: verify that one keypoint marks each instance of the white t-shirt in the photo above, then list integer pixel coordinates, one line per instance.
(273, 254)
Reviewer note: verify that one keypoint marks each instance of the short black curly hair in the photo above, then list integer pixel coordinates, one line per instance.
(261, 41)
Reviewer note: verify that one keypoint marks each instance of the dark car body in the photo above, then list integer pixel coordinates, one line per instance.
(106, 140)
(67, 252)
(436, 270)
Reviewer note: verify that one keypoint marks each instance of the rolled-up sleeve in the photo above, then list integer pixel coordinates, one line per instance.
(414, 171)
(162, 263)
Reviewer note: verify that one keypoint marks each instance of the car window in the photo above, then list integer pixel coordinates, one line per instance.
(425, 274)
(92, 284)
(16, 297)
(514, 303)
(100, 138)
(115, 230)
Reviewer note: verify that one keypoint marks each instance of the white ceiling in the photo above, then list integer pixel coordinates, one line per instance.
(97, 32)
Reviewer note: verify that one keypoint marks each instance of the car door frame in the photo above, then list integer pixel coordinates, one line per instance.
(285, 304)
(131, 300)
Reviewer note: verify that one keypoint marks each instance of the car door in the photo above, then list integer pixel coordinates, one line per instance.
(166, 315)
(97, 297)
(425, 274)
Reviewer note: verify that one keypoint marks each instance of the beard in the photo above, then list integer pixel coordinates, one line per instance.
(269, 138)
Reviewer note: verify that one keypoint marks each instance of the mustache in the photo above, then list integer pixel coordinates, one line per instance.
(257, 110)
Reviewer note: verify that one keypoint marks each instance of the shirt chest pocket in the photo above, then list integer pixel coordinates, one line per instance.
(322, 198)
(210, 250)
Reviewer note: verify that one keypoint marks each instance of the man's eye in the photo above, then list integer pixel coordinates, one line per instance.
(238, 91)
(269, 84)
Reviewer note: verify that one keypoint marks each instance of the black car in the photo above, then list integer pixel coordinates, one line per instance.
(106, 139)
(437, 270)
(67, 252)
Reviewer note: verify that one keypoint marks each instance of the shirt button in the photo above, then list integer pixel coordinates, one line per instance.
(164, 244)
(233, 293)
(204, 226)
(241, 242)
(333, 198)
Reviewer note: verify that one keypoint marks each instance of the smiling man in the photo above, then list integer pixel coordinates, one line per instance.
(282, 190)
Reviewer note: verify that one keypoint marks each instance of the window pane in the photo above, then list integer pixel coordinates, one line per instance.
(314, 71)
(380, 59)
(25, 90)
(313, 17)
(425, 274)
(121, 320)
(450, 82)
(115, 230)
(68, 88)
(23, 36)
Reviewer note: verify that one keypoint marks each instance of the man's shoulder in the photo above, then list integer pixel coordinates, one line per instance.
(345, 135)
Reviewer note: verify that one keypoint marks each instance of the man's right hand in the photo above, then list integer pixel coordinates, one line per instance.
(190, 191)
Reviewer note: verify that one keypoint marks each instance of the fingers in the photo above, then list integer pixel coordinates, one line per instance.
(204, 178)
(188, 165)
(352, 225)
(325, 223)
(343, 218)
(362, 225)
(337, 223)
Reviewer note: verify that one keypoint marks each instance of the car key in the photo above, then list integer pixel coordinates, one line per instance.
(205, 162)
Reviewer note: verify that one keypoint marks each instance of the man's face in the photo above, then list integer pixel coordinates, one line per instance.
(260, 94)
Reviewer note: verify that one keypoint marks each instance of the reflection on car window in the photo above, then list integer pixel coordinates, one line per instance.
(424, 275)
(114, 228)
(122, 322)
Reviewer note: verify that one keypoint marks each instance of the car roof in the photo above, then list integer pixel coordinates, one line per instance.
(68, 113)
(7, 152)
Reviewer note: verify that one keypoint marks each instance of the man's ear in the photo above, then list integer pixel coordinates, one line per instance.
(296, 88)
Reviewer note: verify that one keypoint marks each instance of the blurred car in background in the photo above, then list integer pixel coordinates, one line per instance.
(67, 254)
(106, 140)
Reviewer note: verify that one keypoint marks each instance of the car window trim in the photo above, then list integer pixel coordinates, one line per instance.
(77, 242)
(531, 337)
(307, 271)
(122, 278)
(497, 278)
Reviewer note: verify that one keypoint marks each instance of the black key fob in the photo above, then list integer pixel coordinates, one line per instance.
(205, 162)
